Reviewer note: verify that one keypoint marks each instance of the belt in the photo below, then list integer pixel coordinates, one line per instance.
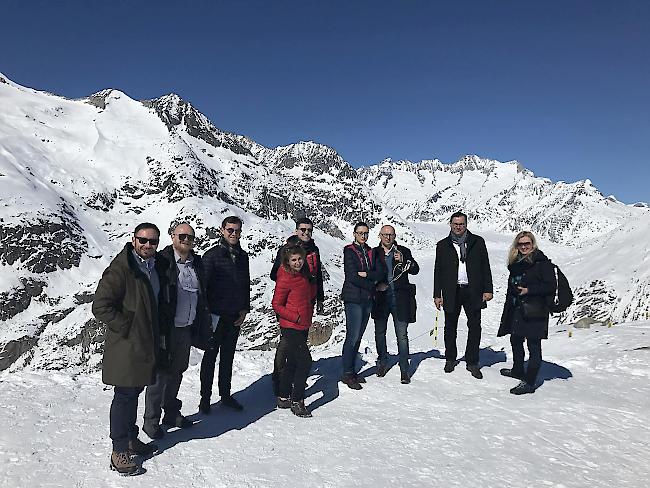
(459, 285)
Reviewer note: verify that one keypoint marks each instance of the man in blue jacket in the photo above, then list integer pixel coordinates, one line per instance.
(228, 291)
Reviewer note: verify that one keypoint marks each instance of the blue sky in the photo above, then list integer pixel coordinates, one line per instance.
(561, 86)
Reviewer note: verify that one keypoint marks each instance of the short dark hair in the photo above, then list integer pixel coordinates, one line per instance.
(457, 214)
(146, 225)
(232, 219)
(360, 224)
(293, 240)
(304, 220)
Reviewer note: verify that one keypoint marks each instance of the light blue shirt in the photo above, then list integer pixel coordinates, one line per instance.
(148, 268)
(187, 295)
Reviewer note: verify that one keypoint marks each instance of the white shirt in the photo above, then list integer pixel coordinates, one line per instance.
(462, 269)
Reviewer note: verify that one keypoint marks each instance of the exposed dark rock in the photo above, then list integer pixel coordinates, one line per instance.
(12, 350)
(17, 300)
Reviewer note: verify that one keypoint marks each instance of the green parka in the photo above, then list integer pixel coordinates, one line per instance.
(124, 301)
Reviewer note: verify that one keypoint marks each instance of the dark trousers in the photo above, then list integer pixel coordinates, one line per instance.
(222, 343)
(124, 410)
(163, 394)
(278, 364)
(356, 320)
(534, 357)
(294, 373)
(473, 325)
(401, 332)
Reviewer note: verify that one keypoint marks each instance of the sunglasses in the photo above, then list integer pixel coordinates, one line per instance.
(387, 235)
(186, 237)
(524, 244)
(144, 240)
(232, 231)
(306, 230)
(362, 233)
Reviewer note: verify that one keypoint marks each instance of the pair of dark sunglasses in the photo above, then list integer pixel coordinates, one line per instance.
(232, 231)
(186, 237)
(524, 244)
(305, 230)
(144, 240)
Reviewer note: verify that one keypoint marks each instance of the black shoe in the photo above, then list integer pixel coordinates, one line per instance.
(360, 379)
(153, 432)
(522, 388)
(351, 380)
(139, 448)
(512, 373)
(284, 402)
(178, 421)
(204, 406)
(476, 372)
(230, 402)
(382, 369)
(405, 379)
(450, 366)
(299, 409)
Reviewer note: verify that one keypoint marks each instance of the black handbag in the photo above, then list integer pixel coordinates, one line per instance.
(536, 309)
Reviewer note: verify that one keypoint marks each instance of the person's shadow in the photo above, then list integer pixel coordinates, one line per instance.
(551, 371)
(328, 372)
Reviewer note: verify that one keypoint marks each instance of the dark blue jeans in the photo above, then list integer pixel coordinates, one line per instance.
(401, 332)
(356, 320)
(124, 410)
(534, 357)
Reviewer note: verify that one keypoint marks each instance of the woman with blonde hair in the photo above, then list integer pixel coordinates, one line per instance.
(525, 312)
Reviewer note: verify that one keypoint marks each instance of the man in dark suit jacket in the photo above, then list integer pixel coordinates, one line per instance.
(462, 278)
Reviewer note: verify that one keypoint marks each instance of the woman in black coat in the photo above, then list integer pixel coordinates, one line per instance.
(525, 313)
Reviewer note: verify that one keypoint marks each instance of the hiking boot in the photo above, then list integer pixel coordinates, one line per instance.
(204, 406)
(405, 378)
(522, 388)
(475, 370)
(512, 373)
(382, 369)
(230, 402)
(284, 402)
(177, 421)
(139, 448)
(299, 409)
(360, 379)
(351, 380)
(122, 463)
(450, 366)
(154, 432)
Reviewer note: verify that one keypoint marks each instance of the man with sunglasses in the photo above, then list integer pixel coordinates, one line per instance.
(186, 321)
(304, 232)
(227, 278)
(126, 301)
(462, 278)
(396, 298)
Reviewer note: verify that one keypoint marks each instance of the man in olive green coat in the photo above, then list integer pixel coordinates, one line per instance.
(126, 301)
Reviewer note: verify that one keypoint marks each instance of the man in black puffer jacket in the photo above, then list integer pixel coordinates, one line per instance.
(228, 289)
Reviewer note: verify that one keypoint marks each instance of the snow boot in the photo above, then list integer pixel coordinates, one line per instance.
(299, 409)
(122, 463)
(139, 448)
(284, 402)
(351, 380)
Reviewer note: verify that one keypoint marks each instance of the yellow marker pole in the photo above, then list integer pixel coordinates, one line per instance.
(434, 331)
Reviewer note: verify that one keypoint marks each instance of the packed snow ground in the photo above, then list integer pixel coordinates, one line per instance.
(586, 426)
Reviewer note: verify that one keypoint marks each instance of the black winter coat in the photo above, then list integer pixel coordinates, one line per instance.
(201, 328)
(355, 288)
(539, 278)
(227, 279)
(125, 303)
(404, 291)
(445, 273)
(316, 273)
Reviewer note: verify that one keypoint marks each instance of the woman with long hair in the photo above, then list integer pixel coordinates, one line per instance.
(531, 285)
(293, 300)
(362, 273)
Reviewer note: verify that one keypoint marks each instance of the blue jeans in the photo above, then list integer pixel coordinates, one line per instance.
(124, 410)
(356, 320)
(401, 331)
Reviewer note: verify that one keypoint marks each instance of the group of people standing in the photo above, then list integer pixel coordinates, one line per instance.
(156, 305)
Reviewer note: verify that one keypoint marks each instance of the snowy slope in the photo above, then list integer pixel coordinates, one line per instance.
(77, 175)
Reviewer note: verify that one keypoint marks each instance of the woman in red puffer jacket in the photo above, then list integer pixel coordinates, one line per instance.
(293, 301)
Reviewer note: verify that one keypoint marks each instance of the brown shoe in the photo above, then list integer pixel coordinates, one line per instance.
(121, 462)
(382, 369)
(350, 380)
(139, 448)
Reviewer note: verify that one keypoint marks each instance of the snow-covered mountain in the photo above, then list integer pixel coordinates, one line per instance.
(76, 176)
